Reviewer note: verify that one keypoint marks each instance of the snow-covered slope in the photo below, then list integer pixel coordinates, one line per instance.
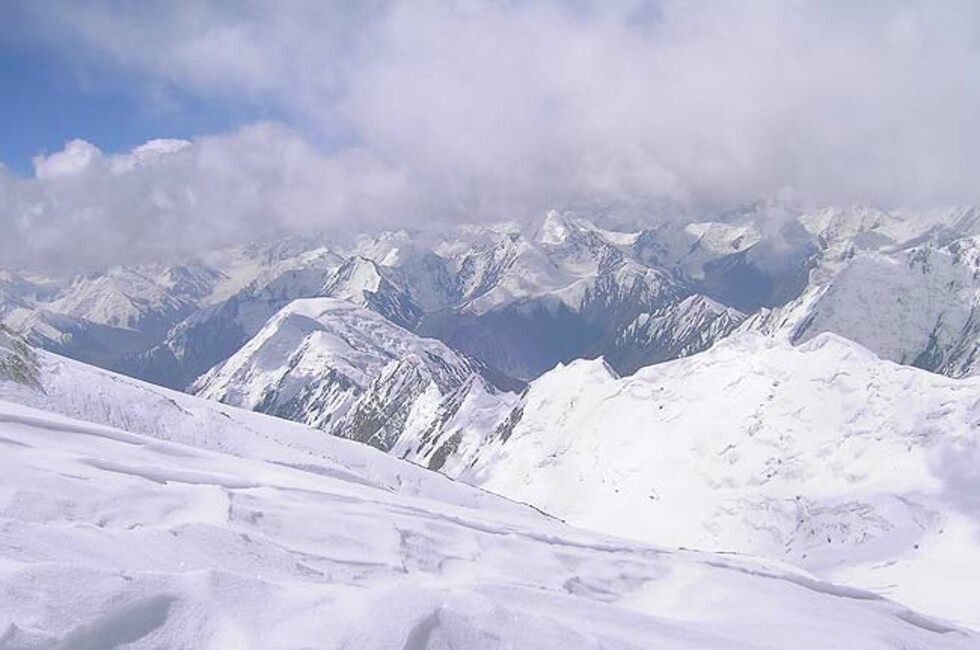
(446, 432)
(331, 364)
(76, 390)
(906, 287)
(821, 455)
(150, 537)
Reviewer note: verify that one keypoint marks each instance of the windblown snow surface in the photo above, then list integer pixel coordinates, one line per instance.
(195, 525)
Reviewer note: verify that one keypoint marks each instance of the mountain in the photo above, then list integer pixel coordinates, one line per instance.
(821, 455)
(331, 364)
(100, 317)
(367, 284)
(453, 429)
(196, 524)
(167, 324)
(906, 288)
(215, 332)
(516, 299)
(568, 290)
(750, 259)
(680, 330)
(17, 360)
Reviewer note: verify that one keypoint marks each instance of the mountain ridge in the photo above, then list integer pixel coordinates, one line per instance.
(195, 523)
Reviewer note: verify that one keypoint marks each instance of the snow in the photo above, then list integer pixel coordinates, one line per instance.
(555, 229)
(120, 298)
(911, 298)
(721, 237)
(622, 240)
(435, 433)
(507, 272)
(253, 267)
(362, 275)
(821, 455)
(317, 356)
(864, 283)
(913, 304)
(148, 536)
(83, 392)
(677, 331)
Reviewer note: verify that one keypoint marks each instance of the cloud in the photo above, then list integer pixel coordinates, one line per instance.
(172, 197)
(475, 109)
(718, 101)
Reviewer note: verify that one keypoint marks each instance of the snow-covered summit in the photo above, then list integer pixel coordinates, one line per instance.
(317, 358)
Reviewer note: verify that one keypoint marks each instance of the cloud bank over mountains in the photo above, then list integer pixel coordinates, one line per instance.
(408, 113)
(173, 197)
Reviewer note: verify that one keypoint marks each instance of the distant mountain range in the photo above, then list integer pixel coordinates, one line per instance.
(797, 388)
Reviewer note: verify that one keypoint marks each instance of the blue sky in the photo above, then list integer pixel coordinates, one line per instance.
(48, 98)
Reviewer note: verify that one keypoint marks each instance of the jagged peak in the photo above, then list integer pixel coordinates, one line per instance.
(555, 228)
(356, 274)
(580, 369)
(699, 301)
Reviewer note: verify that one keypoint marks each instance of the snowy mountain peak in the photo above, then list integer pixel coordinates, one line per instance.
(355, 276)
(554, 229)
(363, 282)
(582, 370)
(122, 297)
(329, 363)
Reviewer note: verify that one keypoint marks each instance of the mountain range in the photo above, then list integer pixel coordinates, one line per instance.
(133, 515)
(790, 385)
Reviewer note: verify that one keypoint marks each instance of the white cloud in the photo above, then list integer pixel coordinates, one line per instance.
(176, 197)
(74, 159)
(479, 109)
